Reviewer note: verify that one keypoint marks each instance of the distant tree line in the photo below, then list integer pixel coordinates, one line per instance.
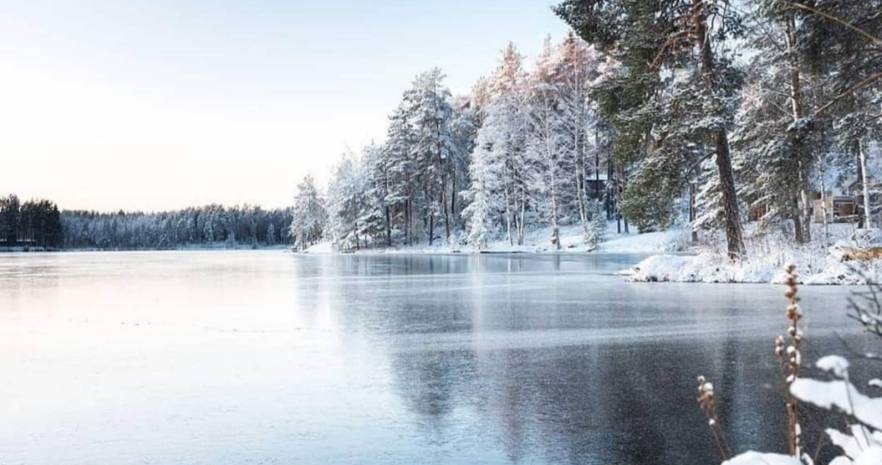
(35, 223)
(210, 225)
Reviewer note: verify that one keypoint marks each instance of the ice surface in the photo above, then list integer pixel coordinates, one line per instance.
(247, 357)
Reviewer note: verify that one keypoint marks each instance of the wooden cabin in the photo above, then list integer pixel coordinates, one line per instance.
(839, 208)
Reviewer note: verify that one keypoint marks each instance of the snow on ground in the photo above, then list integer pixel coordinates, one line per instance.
(767, 255)
(539, 241)
(756, 458)
(323, 247)
(663, 241)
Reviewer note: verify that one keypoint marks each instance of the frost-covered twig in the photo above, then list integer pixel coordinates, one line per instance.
(709, 407)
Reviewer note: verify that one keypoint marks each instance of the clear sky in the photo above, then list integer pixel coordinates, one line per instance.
(155, 104)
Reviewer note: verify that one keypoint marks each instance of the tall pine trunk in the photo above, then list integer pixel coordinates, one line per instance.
(580, 182)
(802, 226)
(735, 244)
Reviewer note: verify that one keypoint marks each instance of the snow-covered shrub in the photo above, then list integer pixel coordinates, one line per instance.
(867, 237)
(596, 230)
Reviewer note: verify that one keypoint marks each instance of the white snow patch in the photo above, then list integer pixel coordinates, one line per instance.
(758, 458)
(839, 395)
(654, 242)
(324, 247)
(833, 364)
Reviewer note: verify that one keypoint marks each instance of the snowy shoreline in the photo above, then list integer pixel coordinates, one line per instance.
(671, 257)
(816, 262)
(536, 242)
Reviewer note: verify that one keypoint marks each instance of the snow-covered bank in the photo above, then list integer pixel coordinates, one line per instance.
(767, 256)
(538, 241)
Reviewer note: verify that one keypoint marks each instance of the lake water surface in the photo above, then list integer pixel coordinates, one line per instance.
(266, 357)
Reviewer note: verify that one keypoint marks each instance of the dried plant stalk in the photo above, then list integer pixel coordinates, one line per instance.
(709, 407)
(790, 360)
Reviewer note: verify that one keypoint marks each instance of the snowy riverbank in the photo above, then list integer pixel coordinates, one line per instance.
(537, 241)
(675, 259)
(816, 262)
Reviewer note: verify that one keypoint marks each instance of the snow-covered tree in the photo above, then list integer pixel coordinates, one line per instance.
(345, 203)
(433, 149)
(309, 216)
(585, 139)
(597, 225)
(501, 146)
(545, 143)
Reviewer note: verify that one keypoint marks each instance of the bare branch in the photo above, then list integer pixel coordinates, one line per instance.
(853, 89)
(854, 28)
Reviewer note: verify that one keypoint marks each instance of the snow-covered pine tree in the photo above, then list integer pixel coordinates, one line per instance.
(772, 163)
(483, 199)
(502, 141)
(596, 225)
(308, 215)
(375, 215)
(578, 67)
(346, 203)
(270, 237)
(433, 149)
(545, 137)
(400, 193)
(464, 129)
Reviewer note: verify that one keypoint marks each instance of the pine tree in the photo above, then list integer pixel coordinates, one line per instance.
(309, 216)
(501, 143)
(375, 215)
(545, 142)
(578, 68)
(433, 148)
(9, 219)
(400, 168)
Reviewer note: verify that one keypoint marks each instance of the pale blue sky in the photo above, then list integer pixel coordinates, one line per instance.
(162, 104)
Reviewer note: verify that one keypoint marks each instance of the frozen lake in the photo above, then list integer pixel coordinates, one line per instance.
(270, 358)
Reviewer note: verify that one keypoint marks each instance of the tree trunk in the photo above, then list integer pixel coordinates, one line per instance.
(408, 223)
(453, 197)
(555, 232)
(735, 245)
(523, 216)
(868, 222)
(596, 166)
(610, 193)
(580, 184)
(802, 227)
(388, 227)
(824, 202)
(692, 212)
(443, 201)
(508, 217)
(797, 222)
